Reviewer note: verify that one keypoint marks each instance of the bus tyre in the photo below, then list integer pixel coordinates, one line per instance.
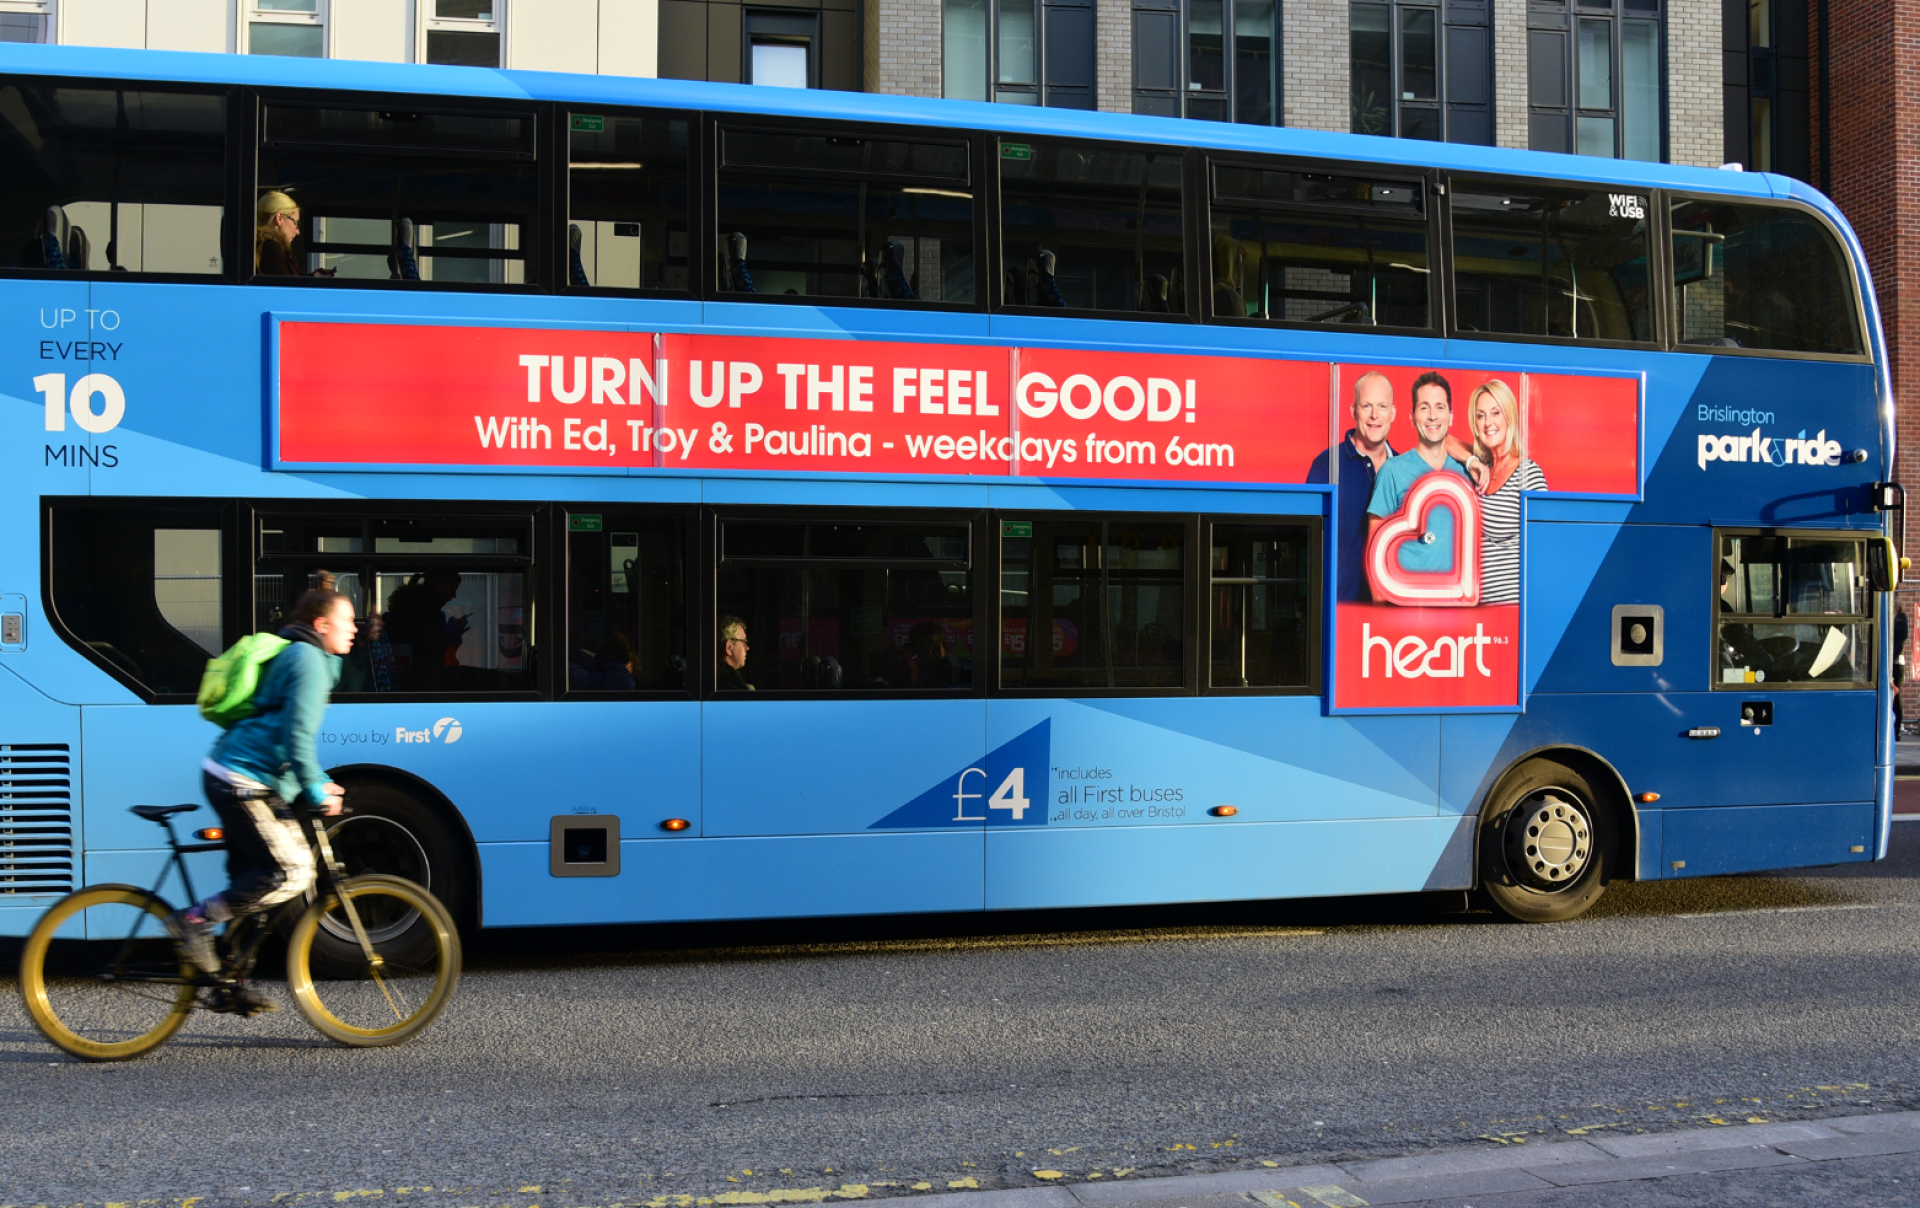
(388, 833)
(1546, 844)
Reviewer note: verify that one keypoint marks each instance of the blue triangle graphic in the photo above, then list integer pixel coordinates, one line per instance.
(965, 799)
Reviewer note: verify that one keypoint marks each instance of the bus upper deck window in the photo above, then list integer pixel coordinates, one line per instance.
(401, 195)
(112, 180)
(626, 201)
(1571, 263)
(1087, 227)
(1760, 276)
(1314, 247)
(831, 215)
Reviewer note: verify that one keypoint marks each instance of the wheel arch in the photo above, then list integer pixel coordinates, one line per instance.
(439, 803)
(1600, 772)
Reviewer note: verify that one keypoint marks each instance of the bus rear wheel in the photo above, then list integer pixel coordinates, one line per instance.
(1546, 844)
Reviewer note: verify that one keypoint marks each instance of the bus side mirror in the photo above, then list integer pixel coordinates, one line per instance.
(1884, 565)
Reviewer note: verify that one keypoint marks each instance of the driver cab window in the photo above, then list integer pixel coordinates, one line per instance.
(1793, 610)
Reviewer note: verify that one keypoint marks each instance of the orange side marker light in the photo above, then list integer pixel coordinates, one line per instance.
(1646, 798)
(1224, 811)
(210, 834)
(675, 824)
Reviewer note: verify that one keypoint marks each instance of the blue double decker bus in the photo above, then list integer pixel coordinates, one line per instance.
(764, 502)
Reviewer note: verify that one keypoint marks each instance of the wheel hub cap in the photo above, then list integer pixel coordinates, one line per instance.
(1549, 839)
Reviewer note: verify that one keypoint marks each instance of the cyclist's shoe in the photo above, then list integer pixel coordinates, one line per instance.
(193, 936)
(241, 1000)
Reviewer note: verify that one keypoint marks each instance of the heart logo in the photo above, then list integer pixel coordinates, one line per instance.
(1394, 584)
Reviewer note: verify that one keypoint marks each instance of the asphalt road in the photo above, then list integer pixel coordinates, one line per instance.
(870, 1058)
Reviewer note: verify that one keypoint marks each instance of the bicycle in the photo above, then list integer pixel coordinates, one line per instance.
(131, 990)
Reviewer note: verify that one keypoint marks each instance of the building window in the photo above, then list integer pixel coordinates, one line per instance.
(781, 48)
(1422, 72)
(1021, 52)
(463, 33)
(25, 20)
(293, 28)
(1222, 68)
(1595, 73)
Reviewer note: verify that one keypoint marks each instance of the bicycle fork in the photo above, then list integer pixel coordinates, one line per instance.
(337, 873)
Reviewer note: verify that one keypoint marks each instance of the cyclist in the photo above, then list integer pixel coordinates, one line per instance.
(265, 766)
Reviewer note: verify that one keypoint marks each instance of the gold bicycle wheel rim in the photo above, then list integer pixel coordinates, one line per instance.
(39, 1004)
(309, 998)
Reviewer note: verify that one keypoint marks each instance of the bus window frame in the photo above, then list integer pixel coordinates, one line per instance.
(1316, 611)
(557, 198)
(1673, 197)
(235, 163)
(707, 624)
(1439, 263)
(543, 275)
(1193, 212)
(1717, 618)
(1192, 625)
(1658, 261)
(559, 576)
(706, 283)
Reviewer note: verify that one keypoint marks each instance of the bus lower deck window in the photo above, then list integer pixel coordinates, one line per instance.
(626, 602)
(1260, 606)
(1568, 263)
(107, 180)
(1793, 609)
(1093, 604)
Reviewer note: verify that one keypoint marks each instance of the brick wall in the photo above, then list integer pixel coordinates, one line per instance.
(1874, 162)
(1510, 73)
(902, 47)
(1113, 62)
(1696, 113)
(1315, 58)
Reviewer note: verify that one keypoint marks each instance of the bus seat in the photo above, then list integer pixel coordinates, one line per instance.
(53, 238)
(897, 284)
(739, 279)
(79, 249)
(574, 265)
(1043, 286)
(1156, 291)
(402, 262)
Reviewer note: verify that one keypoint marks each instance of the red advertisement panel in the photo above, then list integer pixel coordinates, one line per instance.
(844, 406)
(1585, 432)
(1169, 417)
(377, 394)
(1387, 657)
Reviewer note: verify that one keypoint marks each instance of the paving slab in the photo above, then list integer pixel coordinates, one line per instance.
(1466, 1161)
(1625, 1170)
(1421, 1189)
(1232, 1182)
(1878, 1122)
(1694, 1139)
(1859, 1145)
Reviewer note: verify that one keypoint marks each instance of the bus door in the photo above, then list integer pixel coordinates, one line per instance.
(843, 742)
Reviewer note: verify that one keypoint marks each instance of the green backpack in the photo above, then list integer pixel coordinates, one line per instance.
(229, 682)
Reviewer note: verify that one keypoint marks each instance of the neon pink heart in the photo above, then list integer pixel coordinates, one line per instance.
(1459, 587)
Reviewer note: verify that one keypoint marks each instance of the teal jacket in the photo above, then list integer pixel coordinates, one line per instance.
(279, 744)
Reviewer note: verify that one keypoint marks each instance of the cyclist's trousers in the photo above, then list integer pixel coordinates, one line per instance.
(268, 860)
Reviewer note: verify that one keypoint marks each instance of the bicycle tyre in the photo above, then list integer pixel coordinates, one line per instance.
(44, 1004)
(368, 1009)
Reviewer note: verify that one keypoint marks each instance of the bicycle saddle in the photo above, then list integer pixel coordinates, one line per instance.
(157, 813)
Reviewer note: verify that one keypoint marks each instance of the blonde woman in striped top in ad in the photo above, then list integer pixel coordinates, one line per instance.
(1495, 416)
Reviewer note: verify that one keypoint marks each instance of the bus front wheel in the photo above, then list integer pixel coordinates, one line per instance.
(387, 832)
(1546, 844)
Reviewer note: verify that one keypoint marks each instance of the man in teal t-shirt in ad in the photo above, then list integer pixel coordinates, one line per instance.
(1432, 422)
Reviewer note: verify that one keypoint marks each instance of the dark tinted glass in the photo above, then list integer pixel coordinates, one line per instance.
(845, 217)
(406, 129)
(1260, 602)
(1552, 262)
(844, 606)
(1759, 276)
(627, 202)
(398, 195)
(627, 604)
(140, 589)
(444, 604)
(102, 179)
(1091, 228)
(1093, 604)
(1309, 247)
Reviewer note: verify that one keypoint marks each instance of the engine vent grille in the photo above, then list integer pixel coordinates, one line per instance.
(36, 818)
